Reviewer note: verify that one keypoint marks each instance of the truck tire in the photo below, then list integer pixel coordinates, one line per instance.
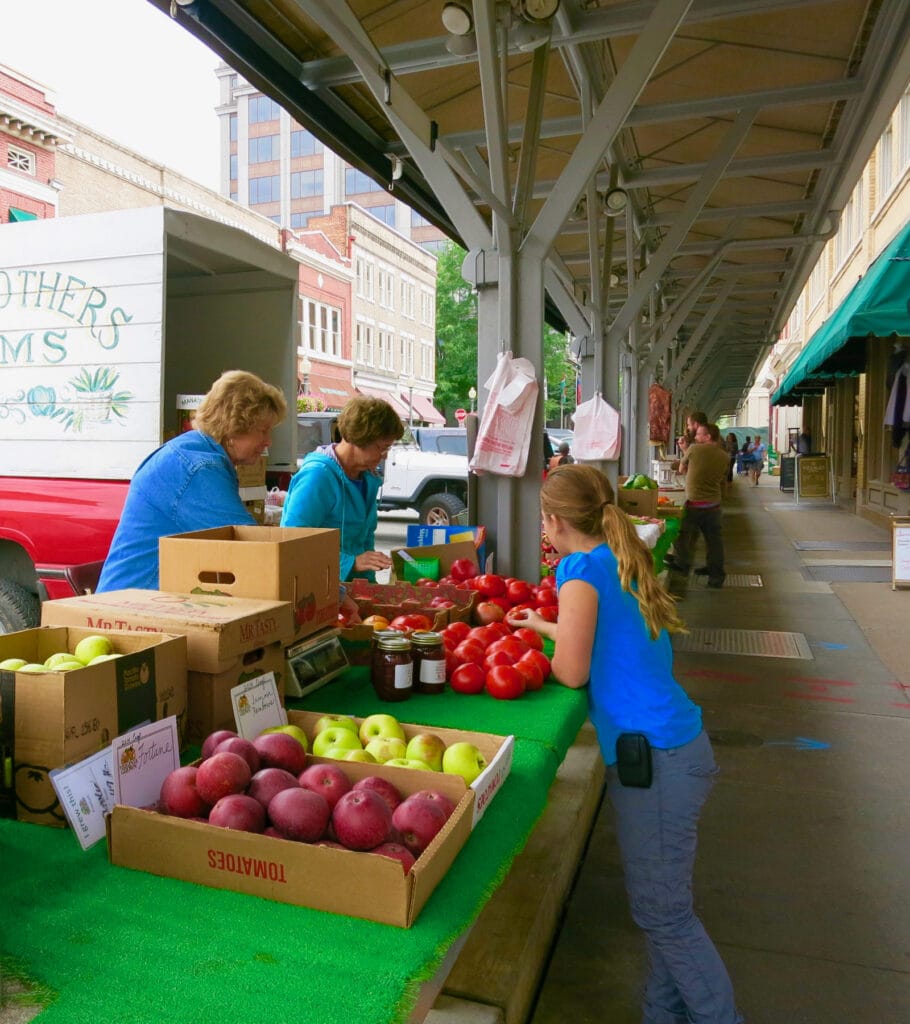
(441, 509)
(19, 609)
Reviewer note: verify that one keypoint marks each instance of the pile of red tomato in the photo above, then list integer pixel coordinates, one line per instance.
(495, 659)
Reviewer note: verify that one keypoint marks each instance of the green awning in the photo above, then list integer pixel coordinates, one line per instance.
(877, 306)
(16, 215)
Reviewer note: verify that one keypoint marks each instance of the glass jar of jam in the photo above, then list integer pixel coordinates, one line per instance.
(429, 661)
(392, 674)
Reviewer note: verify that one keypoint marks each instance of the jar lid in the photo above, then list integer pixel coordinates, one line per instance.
(426, 638)
(394, 643)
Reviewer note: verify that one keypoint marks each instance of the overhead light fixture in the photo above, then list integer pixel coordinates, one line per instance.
(529, 36)
(457, 19)
(461, 46)
(615, 202)
(538, 10)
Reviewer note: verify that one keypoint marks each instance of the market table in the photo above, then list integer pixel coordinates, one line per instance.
(114, 944)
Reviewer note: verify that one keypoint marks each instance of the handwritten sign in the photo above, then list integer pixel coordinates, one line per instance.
(257, 706)
(86, 794)
(900, 552)
(142, 759)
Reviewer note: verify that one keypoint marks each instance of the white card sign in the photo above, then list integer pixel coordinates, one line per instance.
(142, 759)
(257, 706)
(900, 552)
(86, 794)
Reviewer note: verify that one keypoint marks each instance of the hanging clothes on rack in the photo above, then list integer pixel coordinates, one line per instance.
(897, 412)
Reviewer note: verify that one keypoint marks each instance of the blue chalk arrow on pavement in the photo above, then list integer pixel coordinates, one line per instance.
(799, 743)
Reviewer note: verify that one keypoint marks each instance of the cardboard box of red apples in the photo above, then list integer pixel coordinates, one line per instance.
(329, 878)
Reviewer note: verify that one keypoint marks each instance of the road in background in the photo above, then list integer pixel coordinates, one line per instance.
(392, 532)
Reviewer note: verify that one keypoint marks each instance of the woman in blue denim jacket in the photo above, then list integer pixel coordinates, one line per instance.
(190, 483)
(612, 636)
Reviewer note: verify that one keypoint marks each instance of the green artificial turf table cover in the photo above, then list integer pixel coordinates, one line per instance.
(124, 946)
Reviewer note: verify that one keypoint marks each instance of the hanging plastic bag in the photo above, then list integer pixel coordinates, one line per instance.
(504, 434)
(598, 435)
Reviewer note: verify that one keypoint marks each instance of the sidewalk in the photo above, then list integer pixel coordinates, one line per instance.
(802, 870)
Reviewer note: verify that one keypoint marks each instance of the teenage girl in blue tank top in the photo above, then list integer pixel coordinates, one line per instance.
(613, 637)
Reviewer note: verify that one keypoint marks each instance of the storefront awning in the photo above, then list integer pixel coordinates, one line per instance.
(333, 392)
(425, 411)
(16, 215)
(387, 396)
(877, 306)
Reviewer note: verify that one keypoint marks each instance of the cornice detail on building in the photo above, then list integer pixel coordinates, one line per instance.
(30, 125)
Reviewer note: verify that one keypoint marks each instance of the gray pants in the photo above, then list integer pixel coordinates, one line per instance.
(656, 829)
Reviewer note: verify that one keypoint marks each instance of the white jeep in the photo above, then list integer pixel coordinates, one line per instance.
(428, 471)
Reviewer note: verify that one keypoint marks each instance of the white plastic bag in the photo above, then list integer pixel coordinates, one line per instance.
(504, 434)
(598, 435)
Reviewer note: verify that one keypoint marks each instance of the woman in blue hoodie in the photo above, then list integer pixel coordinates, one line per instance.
(336, 486)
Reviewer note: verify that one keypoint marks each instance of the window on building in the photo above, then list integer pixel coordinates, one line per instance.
(232, 127)
(434, 244)
(233, 167)
(426, 359)
(385, 350)
(407, 355)
(233, 196)
(363, 341)
(303, 143)
(321, 328)
(20, 160)
(384, 213)
(817, 283)
(885, 158)
(265, 190)
(903, 120)
(363, 272)
(263, 108)
(301, 220)
(427, 309)
(386, 288)
(356, 182)
(417, 221)
(232, 84)
(264, 149)
(408, 295)
(306, 183)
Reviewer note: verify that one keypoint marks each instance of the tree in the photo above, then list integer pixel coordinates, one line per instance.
(456, 347)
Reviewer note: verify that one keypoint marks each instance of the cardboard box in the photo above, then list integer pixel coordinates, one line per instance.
(251, 476)
(446, 553)
(637, 501)
(266, 562)
(339, 881)
(430, 536)
(219, 630)
(63, 717)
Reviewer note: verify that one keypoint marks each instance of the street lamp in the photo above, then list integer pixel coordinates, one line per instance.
(472, 397)
(410, 383)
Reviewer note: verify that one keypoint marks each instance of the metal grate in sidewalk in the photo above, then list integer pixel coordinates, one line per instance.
(759, 643)
(742, 579)
(848, 573)
(803, 506)
(842, 545)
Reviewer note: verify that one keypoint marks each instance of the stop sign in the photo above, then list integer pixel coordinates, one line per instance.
(460, 415)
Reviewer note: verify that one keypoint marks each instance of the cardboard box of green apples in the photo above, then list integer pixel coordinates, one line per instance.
(69, 691)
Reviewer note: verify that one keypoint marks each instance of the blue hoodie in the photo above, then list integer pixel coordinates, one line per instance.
(321, 494)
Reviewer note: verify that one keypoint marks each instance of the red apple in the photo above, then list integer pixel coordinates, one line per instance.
(434, 796)
(273, 832)
(377, 784)
(269, 781)
(213, 739)
(220, 775)
(300, 814)
(418, 822)
(238, 811)
(280, 750)
(361, 820)
(237, 745)
(397, 852)
(326, 779)
(179, 795)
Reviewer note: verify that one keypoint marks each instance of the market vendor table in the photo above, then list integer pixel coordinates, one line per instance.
(115, 944)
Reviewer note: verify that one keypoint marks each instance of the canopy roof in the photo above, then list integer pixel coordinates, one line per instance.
(737, 128)
(878, 306)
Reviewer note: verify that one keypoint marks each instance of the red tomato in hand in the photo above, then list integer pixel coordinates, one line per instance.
(490, 585)
(515, 616)
(468, 678)
(518, 592)
(531, 672)
(548, 612)
(463, 569)
(505, 682)
(529, 637)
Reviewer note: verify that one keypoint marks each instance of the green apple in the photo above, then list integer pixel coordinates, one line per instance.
(463, 759)
(291, 730)
(327, 721)
(382, 726)
(363, 756)
(33, 666)
(91, 646)
(427, 747)
(104, 657)
(384, 748)
(68, 666)
(12, 664)
(408, 762)
(333, 740)
(56, 659)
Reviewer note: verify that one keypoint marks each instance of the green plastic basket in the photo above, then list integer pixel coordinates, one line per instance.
(421, 568)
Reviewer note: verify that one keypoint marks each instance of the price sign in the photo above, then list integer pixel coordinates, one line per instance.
(814, 478)
(900, 552)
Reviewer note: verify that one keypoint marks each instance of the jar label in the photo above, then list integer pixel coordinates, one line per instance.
(432, 671)
(404, 676)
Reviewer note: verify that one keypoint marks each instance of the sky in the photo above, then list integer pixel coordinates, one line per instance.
(124, 69)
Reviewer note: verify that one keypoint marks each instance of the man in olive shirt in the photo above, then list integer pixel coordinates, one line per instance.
(706, 467)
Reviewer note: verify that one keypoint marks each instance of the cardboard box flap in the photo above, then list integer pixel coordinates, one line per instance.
(446, 553)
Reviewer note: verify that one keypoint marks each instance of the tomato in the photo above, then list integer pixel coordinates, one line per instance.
(487, 612)
(411, 622)
(505, 682)
(515, 616)
(548, 612)
(448, 641)
(549, 581)
(480, 634)
(463, 569)
(497, 630)
(539, 658)
(531, 672)
(510, 646)
(491, 585)
(468, 650)
(544, 596)
(376, 621)
(529, 637)
(458, 629)
(453, 664)
(468, 678)
(425, 581)
(441, 602)
(493, 658)
(518, 592)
